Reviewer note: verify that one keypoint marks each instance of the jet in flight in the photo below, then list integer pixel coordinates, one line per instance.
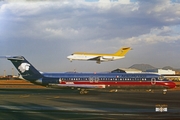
(99, 57)
(86, 81)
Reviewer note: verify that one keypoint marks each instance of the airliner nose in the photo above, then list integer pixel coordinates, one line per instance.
(171, 84)
(69, 57)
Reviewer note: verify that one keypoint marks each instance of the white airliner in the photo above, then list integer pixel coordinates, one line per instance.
(99, 57)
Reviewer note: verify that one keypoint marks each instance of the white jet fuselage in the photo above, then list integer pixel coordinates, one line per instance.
(99, 57)
(91, 57)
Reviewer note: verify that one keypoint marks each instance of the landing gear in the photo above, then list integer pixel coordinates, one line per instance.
(83, 91)
(98, 61)
(150, 90)
(113, 90)
(164, 91)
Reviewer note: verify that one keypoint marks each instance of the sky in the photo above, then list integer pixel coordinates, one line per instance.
(45, 32)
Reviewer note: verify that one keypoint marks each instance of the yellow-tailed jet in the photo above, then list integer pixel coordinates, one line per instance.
(98, 57)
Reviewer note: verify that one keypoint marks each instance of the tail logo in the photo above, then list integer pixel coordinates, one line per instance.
(24, 67)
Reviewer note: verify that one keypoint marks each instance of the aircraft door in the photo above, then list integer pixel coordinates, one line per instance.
(93, 79)
(96, 80)
(60, 80)
(153, 81)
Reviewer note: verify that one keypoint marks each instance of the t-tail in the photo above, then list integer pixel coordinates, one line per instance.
(25, 68)
(123, 51)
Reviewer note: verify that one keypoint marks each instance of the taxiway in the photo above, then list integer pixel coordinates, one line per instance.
(56, 104)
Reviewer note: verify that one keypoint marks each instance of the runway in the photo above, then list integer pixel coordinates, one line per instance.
(56, 104)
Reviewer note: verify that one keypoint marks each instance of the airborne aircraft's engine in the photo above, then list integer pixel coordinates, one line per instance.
(107, 58)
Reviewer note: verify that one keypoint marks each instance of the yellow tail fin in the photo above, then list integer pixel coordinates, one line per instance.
(122, 51)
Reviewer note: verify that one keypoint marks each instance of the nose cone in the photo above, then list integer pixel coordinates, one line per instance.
(171, 84)
(69, 57)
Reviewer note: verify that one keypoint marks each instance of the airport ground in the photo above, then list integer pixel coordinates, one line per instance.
(26, 101)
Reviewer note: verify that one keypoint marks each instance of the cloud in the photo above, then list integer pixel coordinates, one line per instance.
(67, 26)
(155, 36)
(163, 10)
(89, 21)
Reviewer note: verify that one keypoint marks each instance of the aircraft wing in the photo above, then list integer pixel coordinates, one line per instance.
(100, 59)
(97, 59)
(13, 57)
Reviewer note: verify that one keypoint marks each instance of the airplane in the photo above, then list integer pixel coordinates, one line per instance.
(99, 57)
(89, 81)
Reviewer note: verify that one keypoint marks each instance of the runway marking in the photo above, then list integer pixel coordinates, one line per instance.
(55, 97)
(24, 96)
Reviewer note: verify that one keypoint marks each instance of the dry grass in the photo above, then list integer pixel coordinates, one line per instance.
(18, 84)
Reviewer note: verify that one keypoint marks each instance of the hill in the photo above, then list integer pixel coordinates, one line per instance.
(142, 67)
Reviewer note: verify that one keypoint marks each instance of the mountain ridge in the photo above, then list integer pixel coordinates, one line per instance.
(144, 67)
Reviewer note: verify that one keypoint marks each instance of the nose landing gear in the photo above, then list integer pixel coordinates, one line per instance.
(83, 91)
(164, 91)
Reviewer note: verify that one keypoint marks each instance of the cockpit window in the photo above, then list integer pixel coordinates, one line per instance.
(161, 77)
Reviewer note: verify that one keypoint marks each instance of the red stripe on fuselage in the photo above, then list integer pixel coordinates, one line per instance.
(165, 84)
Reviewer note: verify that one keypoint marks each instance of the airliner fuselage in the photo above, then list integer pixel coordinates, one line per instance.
(99, 57)
(106, 80)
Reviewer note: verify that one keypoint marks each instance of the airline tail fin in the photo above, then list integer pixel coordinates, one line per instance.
(25, 68)
(122, 51)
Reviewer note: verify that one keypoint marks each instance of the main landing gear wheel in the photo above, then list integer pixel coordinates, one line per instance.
(150, 90)
(164, 91)
(113, 90)
(82, 92)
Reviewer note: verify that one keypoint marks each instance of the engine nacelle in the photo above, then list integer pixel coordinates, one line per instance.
(39, 81)
(107, 58)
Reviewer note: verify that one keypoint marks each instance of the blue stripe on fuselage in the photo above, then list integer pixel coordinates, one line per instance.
(103, 75)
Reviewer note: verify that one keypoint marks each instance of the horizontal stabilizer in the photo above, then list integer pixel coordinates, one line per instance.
(13, 57)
